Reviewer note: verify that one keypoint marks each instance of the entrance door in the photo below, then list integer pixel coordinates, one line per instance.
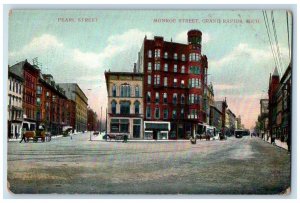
(136, 131)
(180, 132)
(16, 131)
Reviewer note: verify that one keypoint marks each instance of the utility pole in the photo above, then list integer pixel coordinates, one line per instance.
(101, 120)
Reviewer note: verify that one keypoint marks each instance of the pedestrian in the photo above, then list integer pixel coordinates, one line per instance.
(23, 138)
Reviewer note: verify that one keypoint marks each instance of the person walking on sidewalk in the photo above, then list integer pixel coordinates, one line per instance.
(23, 137)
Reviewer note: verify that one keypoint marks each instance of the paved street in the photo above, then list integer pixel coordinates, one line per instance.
(235, 166)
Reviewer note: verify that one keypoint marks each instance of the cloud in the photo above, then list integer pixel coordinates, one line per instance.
(83, 67)
(226, 87)
(182, 37)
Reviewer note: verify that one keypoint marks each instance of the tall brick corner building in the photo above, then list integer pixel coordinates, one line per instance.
(174, 82)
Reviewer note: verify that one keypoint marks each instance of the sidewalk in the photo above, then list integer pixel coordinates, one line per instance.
(278, 143)
(19, 139)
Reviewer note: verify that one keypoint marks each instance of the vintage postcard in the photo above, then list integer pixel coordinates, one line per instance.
(149, 102)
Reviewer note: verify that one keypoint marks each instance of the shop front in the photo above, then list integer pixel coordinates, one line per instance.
(157, 130)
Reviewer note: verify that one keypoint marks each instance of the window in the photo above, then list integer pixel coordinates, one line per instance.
(194, 57)
(156, 79)
(182, 99)
(156, 97)
(194, 70)
(175, 56)
(114, 91)
(47, 94)
(148, 97)
(148, 112)
(17, 87)
(165, 98)
(149, 66)
(175, 82)
(157, 66)
(166, 113)
(157, 53)
(113, 107)
(174, 98)
(166, 67)
(165, 81)
(119, 125)
(125, 90)
(175, 68)
(38, 101)
(39, 90)
(166, 55)
(136, 107)
(20, 89)
(157, 113)
(125, 107)
(137, 91)
(10, 85)
(182, 83)
(182, 113)
(182, 69)
(174, 114)
(149, 79)
(149, 54)
(183, 57)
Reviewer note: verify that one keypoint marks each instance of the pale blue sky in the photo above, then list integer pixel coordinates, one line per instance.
(239, 55)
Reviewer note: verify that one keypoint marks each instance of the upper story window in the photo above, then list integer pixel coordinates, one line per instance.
(149, 54)
(137, 91)
(166, 55)
(166, 112)
(157, 66)
(136, 107)
(182, 99)
(182, 113)
(157, 53)
(175, 56)
(10, 84)
(194, 70)
(148, 112)
(166, 67)
(182, 69)
(38, 101)
(183, 57)
(156, 79)
(125, 90)
(165, 81)
(175, 82)
(125, 107)
(174, 98)
(149, 79)
(194, 57)
(175, 68)
(157, 113)
(17, 87)
(174, 114)
(156, 97)
(149, 66)
(148, 99)
(114, 91)
(165, 98)
(113, 107)
(182, 83)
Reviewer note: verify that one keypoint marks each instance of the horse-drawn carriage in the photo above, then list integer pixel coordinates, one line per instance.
(37, 134)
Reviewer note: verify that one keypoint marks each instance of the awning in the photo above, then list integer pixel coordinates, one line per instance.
(157, 126)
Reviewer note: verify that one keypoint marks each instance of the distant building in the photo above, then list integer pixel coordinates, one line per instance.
(231, 118)
(125, 104)
(15, 105)
(92, 120)
(52, 105)
(222, 107)
(74, 93)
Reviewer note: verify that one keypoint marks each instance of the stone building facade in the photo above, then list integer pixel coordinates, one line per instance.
(125, 104)
(15, 85)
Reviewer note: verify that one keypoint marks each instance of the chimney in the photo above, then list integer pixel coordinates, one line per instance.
(134, 68)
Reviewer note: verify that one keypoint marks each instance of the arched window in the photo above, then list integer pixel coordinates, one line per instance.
(182, 99)
(114, 91)
(175, 56)
(113, 107)
(136, 107)
(125, 90)
(183, 57)
(165, 98)
(166, 55)
(182, 69)
(125, 107)
(137, 91)
(149, 54)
